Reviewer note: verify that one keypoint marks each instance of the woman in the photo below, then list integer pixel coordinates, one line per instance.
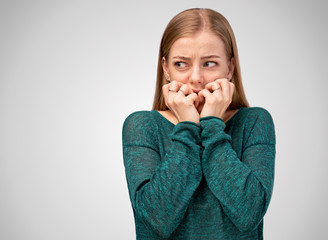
(200, 165)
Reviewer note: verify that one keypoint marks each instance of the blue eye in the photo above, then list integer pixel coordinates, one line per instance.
(180, 64)
(210, 64)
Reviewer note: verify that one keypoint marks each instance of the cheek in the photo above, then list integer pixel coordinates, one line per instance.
(212, 76)
(180, 77)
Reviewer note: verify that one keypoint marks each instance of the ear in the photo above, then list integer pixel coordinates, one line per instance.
(231, 68)
(165, 68)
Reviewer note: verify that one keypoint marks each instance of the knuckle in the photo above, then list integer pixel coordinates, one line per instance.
(220, 80)
(165, 86)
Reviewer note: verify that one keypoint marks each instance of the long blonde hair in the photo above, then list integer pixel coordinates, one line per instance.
(187, 23)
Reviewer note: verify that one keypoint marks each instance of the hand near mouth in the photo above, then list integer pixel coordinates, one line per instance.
(216, 97)
(189, 104)
(182, 101)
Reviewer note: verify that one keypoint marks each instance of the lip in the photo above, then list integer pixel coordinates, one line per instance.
(196, 90)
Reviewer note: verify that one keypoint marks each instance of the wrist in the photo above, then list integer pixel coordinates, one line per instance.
(210, 115)
(194, 120)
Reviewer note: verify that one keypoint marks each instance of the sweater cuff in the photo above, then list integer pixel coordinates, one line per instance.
(186, 130)
(212, 130)
(212, 123)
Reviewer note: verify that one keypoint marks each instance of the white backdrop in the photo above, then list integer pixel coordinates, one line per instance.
(71, 72)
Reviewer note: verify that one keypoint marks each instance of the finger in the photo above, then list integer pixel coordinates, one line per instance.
(204, 94)
(212, 85)
(232, 89)
(177, 83)
(216, 86)
(165, 90)
(224, 87)
(217, 93)
(201, 96)
(185, 90)
(174, 87)
(194, 98)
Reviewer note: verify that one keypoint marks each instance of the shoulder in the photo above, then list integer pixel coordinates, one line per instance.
(258, 123)
(139, 125)
(257, 114)
(139, 118)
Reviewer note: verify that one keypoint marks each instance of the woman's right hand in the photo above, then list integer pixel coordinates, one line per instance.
(182, 101)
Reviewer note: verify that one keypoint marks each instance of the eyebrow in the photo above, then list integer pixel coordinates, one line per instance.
(205, 57)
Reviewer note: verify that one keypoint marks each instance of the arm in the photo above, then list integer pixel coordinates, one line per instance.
(160, 188)
(243, 186)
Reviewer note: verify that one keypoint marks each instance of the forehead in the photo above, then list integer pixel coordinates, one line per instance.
(203, 43)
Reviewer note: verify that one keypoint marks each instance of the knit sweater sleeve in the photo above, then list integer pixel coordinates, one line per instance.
(242, 186)
(160, 187)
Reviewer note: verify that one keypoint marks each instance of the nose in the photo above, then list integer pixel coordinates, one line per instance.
(196, 76)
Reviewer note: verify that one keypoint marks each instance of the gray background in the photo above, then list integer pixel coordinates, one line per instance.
(71, 72)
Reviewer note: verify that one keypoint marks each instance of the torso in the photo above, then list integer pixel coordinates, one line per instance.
(203, 208)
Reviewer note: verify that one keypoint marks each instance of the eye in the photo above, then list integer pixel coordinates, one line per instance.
(210, 64)
(180, 64)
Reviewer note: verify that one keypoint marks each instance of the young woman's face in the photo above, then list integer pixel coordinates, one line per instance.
(198, 60)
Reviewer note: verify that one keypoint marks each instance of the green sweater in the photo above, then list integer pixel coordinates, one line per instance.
(208, 181)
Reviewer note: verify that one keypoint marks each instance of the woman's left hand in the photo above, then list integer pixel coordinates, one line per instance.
(217, 96)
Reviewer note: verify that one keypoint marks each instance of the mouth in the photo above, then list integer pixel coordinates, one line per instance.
(196, 90)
